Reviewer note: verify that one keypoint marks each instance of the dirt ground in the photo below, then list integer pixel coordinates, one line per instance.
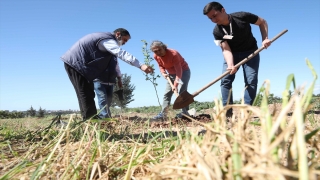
(205, 116)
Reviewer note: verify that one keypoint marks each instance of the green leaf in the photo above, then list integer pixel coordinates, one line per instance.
(311, 134)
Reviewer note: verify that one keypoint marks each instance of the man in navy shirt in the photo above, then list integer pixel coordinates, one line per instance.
(233, 34)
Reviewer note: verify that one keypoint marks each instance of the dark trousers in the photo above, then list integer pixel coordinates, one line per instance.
(85, 92)
(250, 73)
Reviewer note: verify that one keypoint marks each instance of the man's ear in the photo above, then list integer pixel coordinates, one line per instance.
(117, 33)
(223, 10)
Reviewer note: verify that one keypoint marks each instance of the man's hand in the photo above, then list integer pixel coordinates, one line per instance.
(232, 69)
(146, 69)
(266, 43)
(119, 83)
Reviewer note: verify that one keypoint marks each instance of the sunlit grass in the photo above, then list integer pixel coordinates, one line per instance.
(256, 143)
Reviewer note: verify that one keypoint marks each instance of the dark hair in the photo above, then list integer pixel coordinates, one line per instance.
(122, 31)
(212, 6)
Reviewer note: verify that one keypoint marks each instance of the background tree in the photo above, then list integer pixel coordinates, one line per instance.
(4, 114)
(128, 89)
(16, 114)
(31, 112)
(41, 112)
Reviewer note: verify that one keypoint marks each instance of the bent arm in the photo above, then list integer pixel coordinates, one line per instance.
(228, 57)
(178, 60)
(227, 54)
(263, 25)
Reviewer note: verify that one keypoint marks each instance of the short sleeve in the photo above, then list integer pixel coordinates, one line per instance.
(217, 34)
(249, 17)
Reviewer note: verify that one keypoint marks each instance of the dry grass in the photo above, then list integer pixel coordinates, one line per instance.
(256, 143)
(234, 148)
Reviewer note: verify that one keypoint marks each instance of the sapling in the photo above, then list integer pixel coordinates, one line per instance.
(152, 77)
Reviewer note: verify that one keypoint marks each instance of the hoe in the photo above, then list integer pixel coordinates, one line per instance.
(186, 98)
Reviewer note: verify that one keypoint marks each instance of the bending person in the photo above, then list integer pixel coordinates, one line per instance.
(173, 65)
(89, 57)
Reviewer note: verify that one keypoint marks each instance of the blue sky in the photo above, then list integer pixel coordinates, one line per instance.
(35, 33)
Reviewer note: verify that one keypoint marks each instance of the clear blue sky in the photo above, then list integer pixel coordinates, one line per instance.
(35, 33)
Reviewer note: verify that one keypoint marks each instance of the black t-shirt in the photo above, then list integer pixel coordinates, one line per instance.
(243, 39)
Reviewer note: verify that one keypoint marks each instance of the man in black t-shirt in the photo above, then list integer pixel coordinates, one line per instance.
(233, 34)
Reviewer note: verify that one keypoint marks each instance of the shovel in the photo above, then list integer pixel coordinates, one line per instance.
(169, 80)
(177, 95)
(186, 98)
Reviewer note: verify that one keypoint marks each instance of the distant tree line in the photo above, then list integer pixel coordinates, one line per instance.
(30, 113)
(22, 114)
(128, 94)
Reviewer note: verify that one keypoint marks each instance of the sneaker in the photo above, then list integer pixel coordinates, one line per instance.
(160, 116)
(61, 123)
(179, 115)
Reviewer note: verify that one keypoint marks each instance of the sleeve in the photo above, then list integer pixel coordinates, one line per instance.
(113, 47)
(218, 35)
(249, 17)
(161, 67)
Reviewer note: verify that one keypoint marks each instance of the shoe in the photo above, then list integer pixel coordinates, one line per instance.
(160, 116)
(179, 115)
(61, 123)
(229, 113)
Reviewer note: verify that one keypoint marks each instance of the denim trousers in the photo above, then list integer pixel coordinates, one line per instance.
(250, 74)
(104, 94)
(168, 91)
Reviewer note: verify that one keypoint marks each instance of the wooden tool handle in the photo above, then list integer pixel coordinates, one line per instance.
(239, 64)
(175, 92)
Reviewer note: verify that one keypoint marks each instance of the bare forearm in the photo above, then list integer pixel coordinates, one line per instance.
(228, 57)
(264, 29)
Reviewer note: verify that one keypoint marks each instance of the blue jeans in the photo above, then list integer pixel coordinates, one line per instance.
(104, 93)
(168, 91)
(250, 73)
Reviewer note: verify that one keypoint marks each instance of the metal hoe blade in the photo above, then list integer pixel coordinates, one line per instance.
(183, 100)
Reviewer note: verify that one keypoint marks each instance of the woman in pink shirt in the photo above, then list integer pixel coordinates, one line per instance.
(171, 64)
